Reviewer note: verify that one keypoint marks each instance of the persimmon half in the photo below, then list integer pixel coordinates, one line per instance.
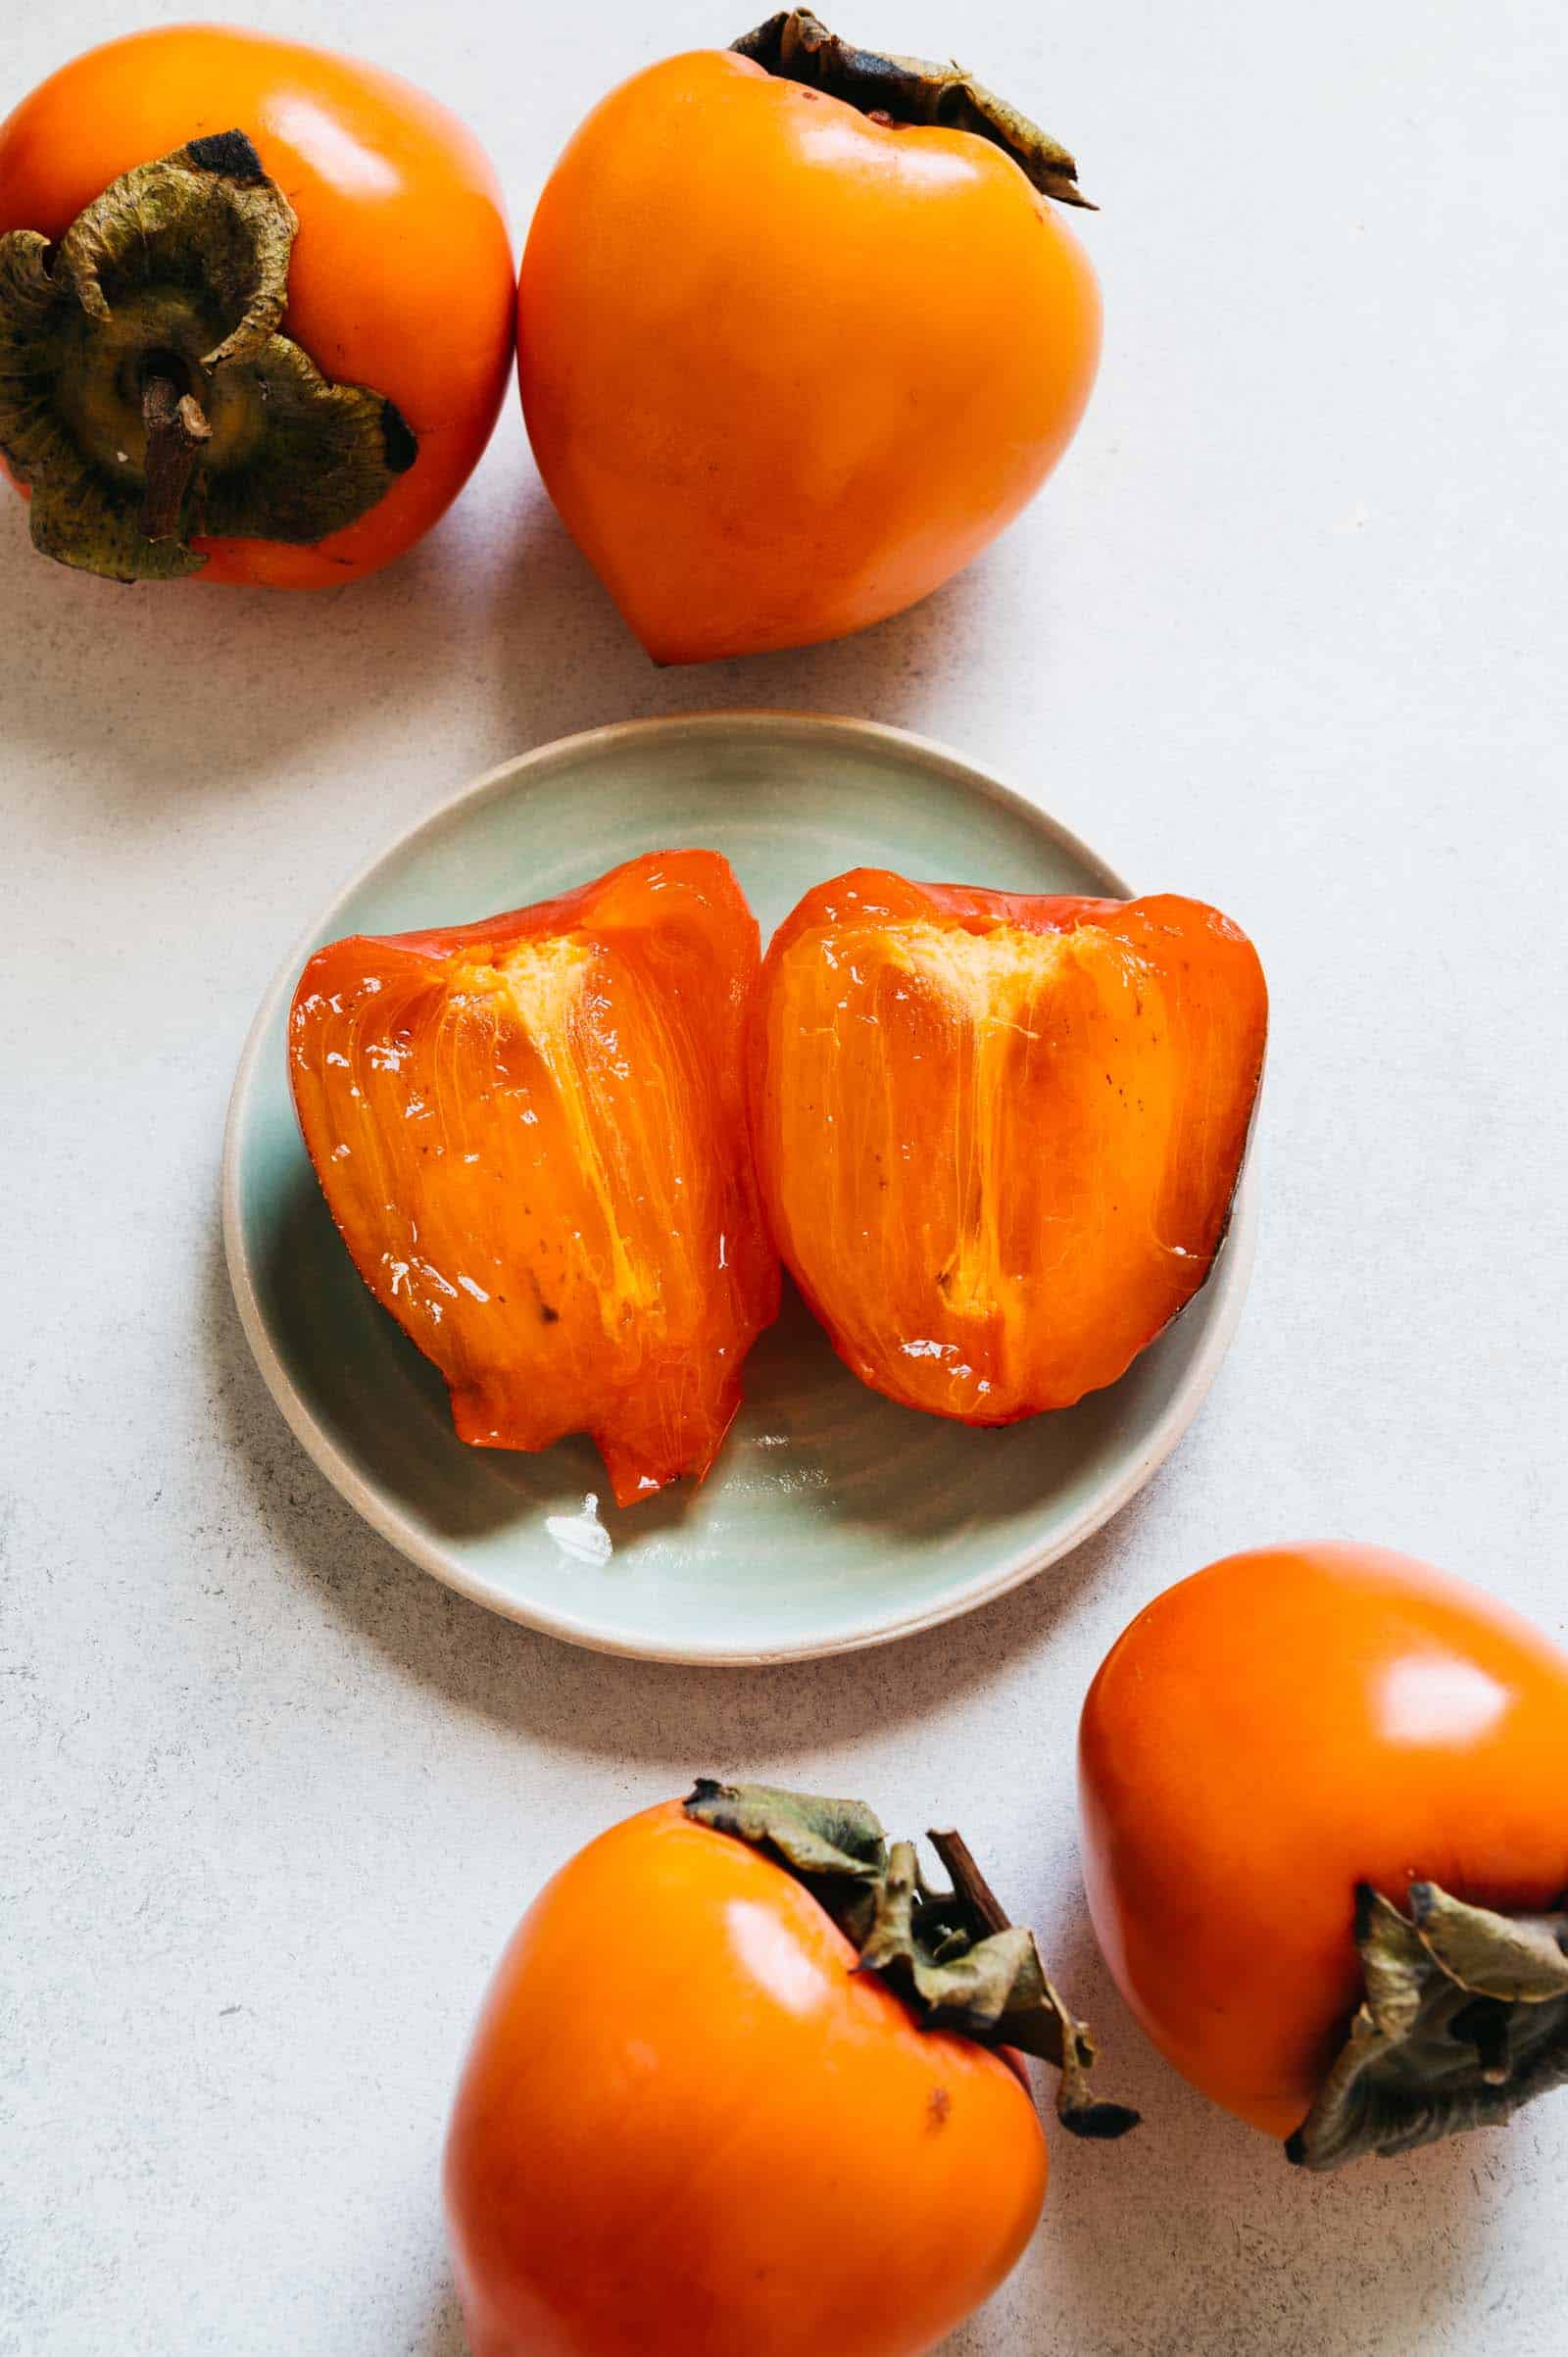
(997, 1136)
(800, 330)
(531, 1134)
(1325, 1845)
(745, 2086)
(256, 310)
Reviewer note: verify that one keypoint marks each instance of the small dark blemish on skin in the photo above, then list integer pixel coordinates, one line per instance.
(399, 440)
(229, 153)
(937, 2106)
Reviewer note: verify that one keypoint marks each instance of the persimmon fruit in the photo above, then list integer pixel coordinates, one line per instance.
(744, 2083)
(1325, 1845)
(256, 310)
(531, 1134)
(800, 330)
(997, 1136)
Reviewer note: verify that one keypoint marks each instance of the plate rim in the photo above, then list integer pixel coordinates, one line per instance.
(1230, 1278)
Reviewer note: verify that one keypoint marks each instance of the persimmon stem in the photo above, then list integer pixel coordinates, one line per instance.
(968, 1880)
(796, 46)
(954, 1959)
(179, 404)
(176, 434)
(1464, 2017)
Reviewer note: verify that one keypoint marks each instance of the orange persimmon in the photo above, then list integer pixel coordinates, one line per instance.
(1281, 1756)
(725, 2100)
(799, 332)
(997, 1136)
(191, 390)
(531, 1134)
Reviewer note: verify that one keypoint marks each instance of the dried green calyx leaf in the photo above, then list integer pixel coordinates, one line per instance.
(146, 394)
(1464, 2020)
(795, 47)
(952, 1955)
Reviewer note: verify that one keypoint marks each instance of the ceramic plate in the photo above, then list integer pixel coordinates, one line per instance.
(832, 1519)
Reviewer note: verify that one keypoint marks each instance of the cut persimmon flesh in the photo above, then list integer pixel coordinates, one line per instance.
(531, 1133)
(998, 1136)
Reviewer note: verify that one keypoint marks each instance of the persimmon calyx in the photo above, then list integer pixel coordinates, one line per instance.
(146, 394)
(796, 46)
(952, 1955)
(1464, 2020)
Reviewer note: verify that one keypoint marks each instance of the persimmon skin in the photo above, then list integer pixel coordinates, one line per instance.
(785, 368)
(687, 2127)
(996, 1135)
(401, 275)
(1270, 1733)
(531, 1133)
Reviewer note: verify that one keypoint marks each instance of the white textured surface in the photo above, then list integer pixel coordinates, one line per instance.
(1286, 633)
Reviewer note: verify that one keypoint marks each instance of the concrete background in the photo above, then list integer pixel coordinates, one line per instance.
(1285, 632)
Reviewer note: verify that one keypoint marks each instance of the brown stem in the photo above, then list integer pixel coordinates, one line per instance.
(105, 405)
(968, 1880)
(1464, 2017)
(953, 1956)
(795, 45)
(176, 431)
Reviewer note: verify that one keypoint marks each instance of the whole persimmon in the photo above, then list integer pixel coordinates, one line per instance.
(799, 332)
(744, 2084)
(1326, 1849)
(256, 310)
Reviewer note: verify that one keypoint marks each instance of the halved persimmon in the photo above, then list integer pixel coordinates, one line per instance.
(531, 1134)
(997, 1136)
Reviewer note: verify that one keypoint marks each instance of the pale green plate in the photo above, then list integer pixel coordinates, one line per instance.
(832, 1519)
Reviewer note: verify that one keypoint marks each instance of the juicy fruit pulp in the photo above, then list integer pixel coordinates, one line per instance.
(998, 1136)
(531, 1134)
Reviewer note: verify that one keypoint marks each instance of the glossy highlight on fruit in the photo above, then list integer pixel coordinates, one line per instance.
(696, 2120)
(219, 179)
(531, 1135)
(997, 1136)
(788, 365)
(1326, 1848)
